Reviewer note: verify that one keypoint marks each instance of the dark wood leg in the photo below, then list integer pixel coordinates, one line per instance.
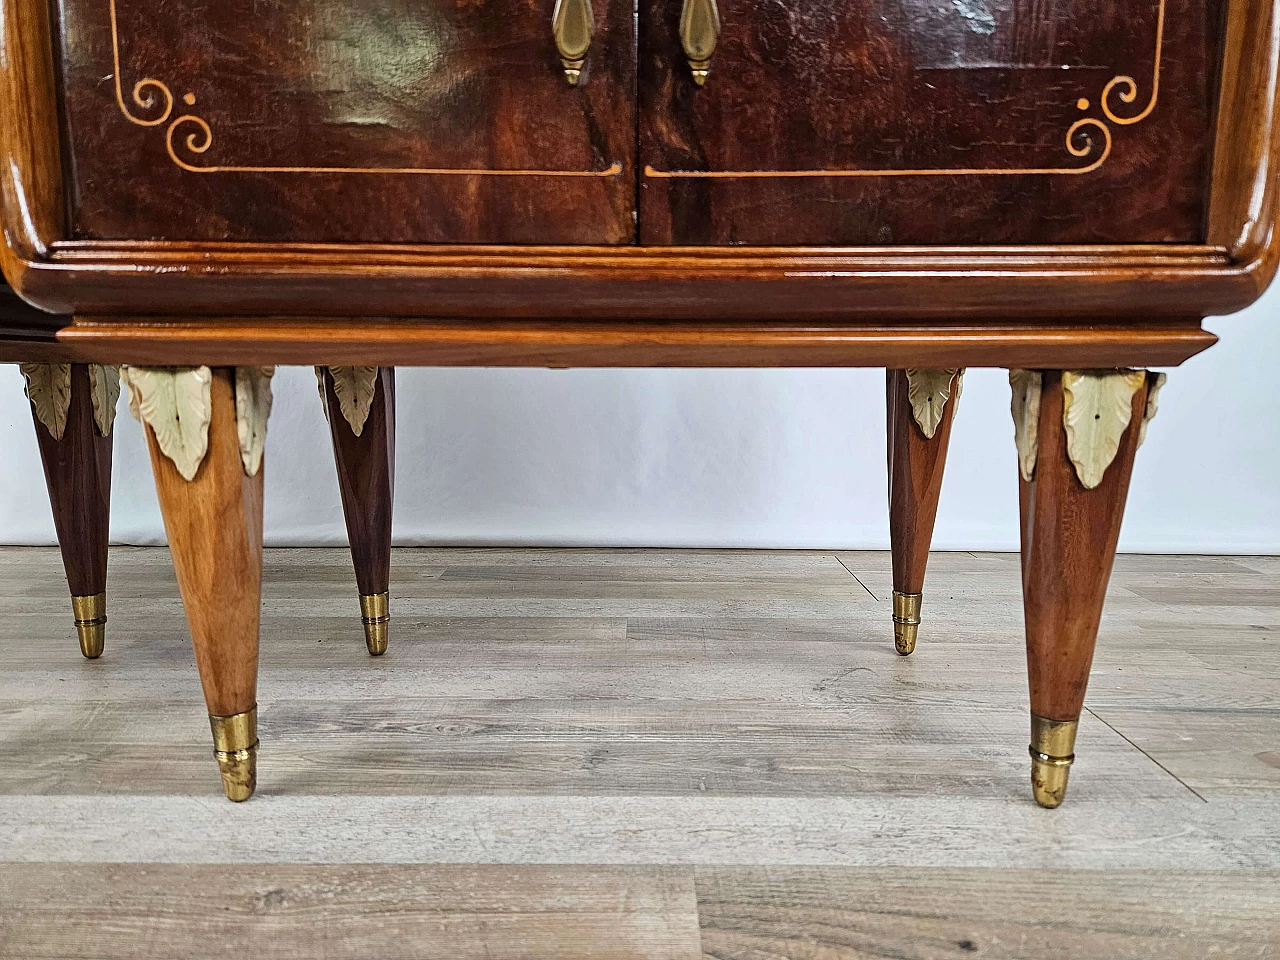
(1069, 536)
(214, 524)
(366, 479)
(916, 463)
(77, 469)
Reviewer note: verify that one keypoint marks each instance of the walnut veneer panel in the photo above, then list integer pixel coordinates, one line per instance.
(891, 101)
(271, 120)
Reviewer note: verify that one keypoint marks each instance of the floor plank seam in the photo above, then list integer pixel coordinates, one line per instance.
(1102, 720)
(855, 576)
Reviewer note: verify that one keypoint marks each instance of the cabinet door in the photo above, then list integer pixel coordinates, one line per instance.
(436, 121)
(929, 121)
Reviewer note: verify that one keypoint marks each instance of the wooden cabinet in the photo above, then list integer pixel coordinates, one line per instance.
(917, 122)
(344, 121)
(1062, 187)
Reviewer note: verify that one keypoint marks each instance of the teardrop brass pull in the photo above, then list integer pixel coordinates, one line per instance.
(573, 26)
(699, 33)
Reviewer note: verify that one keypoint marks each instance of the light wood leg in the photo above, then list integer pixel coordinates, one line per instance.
(916, 463)
(77, 469)
(366, 478)
(1069, 536)
(214, 524)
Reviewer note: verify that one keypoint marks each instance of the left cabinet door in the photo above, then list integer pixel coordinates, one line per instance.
(374, 121)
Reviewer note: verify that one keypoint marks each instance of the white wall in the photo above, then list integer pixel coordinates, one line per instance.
(790, 458)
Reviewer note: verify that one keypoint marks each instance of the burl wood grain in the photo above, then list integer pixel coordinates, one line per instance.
(366, 479)
(915, 482)
(1069, 537)
(446, 84)
(214, 526)
(77, 469)
(918, 85)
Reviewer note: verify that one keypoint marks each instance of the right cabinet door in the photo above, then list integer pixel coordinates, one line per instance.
(873, 122)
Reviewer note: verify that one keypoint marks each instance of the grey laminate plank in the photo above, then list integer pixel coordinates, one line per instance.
(1176, 833)
(335, 911)
(843, 914)
(1217, 751)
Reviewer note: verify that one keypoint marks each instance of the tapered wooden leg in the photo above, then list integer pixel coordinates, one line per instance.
(366, 461)
(916, 462)
(1069, 536)
(77, 469)
(214, 524)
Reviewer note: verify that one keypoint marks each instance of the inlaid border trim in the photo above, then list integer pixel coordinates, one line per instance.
(1079, 142)
(145, 93)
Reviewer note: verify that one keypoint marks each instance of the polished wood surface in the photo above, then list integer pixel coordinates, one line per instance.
(882, 801)
(77, 469)
(31, 184)
(1069, 537)
(305, 144)
(1082, 285)
(1078, 285)
(366, 479)
(214, 526)
(900, 122)
(916, 464)
(568, 344)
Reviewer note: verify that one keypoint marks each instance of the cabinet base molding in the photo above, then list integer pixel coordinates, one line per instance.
(230, 341)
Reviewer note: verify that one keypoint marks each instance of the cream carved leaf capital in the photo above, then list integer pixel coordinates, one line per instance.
(1097, 407)
(177, 404)
(49, 390)
(928, 391)
(1154, 385)
(1027, 386)
(355, 388)
(253, 407)
(104, 391)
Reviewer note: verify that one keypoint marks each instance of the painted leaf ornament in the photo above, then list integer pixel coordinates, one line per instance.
(928, 391)
(49, 390)
(1027, 387)
(1096, 410)
(104, 391)
(177, 404)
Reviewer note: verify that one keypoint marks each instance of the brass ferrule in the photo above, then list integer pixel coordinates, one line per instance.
(91, 623)
(906, 607)
(234, 733)
(906, 621)
(235, 747)
(376, 607)
(375, 611)
(1053, 744)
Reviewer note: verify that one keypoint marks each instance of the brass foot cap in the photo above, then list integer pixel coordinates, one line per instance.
(906, 621)
(375, 611)
(235, 746)
(91, 624)
(1049, 779)
(1053, 744)
(700, 69)
(239, 769)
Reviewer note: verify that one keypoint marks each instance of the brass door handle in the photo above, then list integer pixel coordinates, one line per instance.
(573, 26)
(699, 33)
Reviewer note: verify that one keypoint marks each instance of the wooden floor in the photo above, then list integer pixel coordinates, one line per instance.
(642, 754)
